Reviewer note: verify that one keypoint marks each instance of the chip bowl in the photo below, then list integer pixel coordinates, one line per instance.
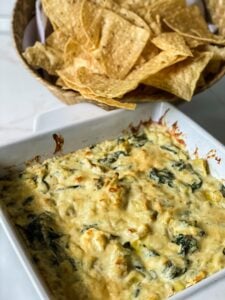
(24, 11)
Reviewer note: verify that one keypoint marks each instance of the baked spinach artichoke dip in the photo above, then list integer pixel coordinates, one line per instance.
(129, 218)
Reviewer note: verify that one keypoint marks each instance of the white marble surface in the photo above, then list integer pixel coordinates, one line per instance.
(22, 98)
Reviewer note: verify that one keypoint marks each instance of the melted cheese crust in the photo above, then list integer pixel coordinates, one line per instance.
(131, 218)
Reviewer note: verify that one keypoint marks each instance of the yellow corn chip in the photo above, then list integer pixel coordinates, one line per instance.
(97, 84)
(127, 14)
(76, 55)
(189, 22)
(103, 86)
(91, 18)
(157, 63)
(181, 79)
(172, 41)
(217, 11)
(120, 45)
(59, 14)
(193, 43)
(68, 81)
(48, 57)
(218, 58)
(161, 8)
(148, 53)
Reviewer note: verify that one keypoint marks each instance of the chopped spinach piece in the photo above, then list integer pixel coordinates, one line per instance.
(40, 234)
(86, 227)
(170, 148)
(137, 292)
(139, 268)
(138, 140)
(76, 186)
(180, 165)
(45, 182)
(223, 251)
(92, 146)
(39, 230)
(196, 185)
(172, 271)
(222, 190)
(121, 139)
(163, 176)
(28, 200)
(100, 183)
(112, 157)
(188, 244)
(151, 252)
(34, 230)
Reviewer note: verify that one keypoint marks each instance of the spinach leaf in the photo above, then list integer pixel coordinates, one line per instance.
(196, 185)
(138, 140)
(76, 186)
(112, 157)
(188, 244)
(170, 148)
(150, 252)
(180, 165)
(45, 182)
(39, 231)
(172, 271)
(163, 176)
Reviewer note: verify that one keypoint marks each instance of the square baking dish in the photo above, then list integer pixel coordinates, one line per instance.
(103, 125)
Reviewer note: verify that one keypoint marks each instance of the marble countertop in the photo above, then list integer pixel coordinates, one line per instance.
(23, 98)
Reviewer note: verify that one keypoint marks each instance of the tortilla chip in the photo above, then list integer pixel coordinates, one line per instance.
(120, 45)
(57, 40)
(49, 56)
(181, 79)
(76, 55)
(216, 9)
(121, 10)
(103, 86)
(218, 58)
(97, 84)
(145, 93)
(189, 22)
(193, 43)
(148, 53)
(108, 101)
(172, 41)
(157, 63)
(59, 14)
(162, 8)
(91, 18)
(67, 80)
(218, 52)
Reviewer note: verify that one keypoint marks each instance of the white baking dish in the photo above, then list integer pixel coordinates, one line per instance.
(103, 125)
